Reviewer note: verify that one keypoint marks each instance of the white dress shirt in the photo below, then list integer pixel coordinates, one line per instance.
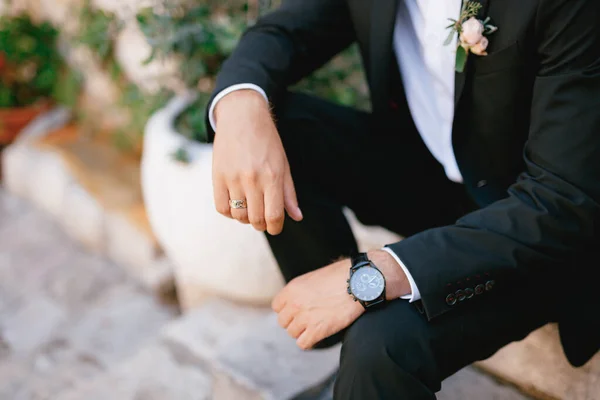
(427, 69)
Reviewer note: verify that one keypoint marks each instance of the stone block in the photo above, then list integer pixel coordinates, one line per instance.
(538, 366)
(26, 328)
(13, 384)
(48, 182)
(18, 163)
(83, 218)
(11, 209)
(208, 330)
(245, 346)
(131, 247)
(469, 383)
(118, 323)
(52, 369)
(154, 373)
(262, 356)
(158, 276)
(93, 191)
(226, 388)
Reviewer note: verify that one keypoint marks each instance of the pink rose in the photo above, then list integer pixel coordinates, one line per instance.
(480, 47)
(472, 31)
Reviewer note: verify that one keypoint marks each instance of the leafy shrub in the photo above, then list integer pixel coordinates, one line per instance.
(31, 67)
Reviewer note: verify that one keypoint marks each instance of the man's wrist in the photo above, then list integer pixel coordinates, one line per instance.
(396, 283)
(243, 99)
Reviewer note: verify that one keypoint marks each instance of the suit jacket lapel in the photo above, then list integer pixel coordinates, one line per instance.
(460, 78)
(383, 19)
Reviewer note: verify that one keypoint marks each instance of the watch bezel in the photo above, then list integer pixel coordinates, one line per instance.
(353, 270)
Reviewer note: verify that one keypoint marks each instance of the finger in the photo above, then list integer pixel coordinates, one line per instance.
(221, 196)
(285, 317)
(296, 327)
(274, 210)
(278, 302)
(256, 206)
(305, 341)
(290, 198)
(237, 193)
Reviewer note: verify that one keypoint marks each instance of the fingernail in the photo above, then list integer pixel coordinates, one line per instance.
(300, 213)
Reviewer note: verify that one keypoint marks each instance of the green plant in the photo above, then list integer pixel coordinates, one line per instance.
(202, 36)
(31, 67)
(191, 122)
(98, 31)
(140, 107)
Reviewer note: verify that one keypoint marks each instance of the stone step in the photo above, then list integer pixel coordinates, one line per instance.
(224, 351)
(220, 351)
(65, 315)
(538, 366)
(92, 190)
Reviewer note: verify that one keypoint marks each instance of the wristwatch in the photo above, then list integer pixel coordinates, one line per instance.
(366, 283)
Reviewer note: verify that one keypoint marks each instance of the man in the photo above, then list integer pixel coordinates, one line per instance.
(492, 175)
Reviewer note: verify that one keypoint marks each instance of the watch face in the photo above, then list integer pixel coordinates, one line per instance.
(367, 284)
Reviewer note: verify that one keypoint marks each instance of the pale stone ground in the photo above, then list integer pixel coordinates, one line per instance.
(74, 326)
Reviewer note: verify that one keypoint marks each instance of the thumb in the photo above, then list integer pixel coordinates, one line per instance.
(290, 199)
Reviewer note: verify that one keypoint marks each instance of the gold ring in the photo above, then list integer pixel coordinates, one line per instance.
(237, 204)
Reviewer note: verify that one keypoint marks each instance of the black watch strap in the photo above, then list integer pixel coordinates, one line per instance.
(358, 258)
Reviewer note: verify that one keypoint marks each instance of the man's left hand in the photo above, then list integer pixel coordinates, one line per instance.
(317, 305)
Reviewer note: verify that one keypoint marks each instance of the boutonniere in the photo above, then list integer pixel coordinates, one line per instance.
(471, 32)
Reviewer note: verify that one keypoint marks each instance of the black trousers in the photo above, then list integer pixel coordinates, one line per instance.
(387, 178)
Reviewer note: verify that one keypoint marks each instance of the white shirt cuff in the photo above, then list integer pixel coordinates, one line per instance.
(225, 92)
(415, 294)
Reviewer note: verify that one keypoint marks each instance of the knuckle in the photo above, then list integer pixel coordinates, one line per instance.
(259, 225)
(242, 217)
(281, 321)
(222, 209)
(272, 174)
(250, 176)
(274, 217)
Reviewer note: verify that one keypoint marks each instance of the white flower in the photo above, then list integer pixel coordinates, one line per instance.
(479, 48)
(471, 32)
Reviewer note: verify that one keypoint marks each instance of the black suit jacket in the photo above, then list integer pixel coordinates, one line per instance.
(526, 137)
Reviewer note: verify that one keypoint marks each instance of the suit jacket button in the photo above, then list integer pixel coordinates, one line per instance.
(481, 183)
(469, 292)
(479, 289)
(451, 299)
(489, 285)
(460, 295)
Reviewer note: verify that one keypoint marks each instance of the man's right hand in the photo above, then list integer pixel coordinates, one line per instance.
(249, 163)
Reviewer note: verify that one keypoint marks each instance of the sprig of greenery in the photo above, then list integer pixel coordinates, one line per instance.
(469, 9)
(98, 30)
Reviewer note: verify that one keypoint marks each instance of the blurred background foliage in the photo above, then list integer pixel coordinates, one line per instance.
(31, 67)
(198, 34)
(202, 36)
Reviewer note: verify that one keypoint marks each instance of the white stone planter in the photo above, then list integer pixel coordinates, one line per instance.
(212, 255)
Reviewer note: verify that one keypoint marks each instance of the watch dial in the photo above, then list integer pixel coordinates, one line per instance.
(367, 284)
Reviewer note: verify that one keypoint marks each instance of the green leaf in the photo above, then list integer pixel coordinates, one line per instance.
(461, 59)
(181, 155)
(450, 37)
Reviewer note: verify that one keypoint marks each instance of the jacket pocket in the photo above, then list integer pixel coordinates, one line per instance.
(499, 60)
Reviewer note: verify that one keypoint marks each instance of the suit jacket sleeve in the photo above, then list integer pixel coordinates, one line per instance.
(551, 215)
(287, 45)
